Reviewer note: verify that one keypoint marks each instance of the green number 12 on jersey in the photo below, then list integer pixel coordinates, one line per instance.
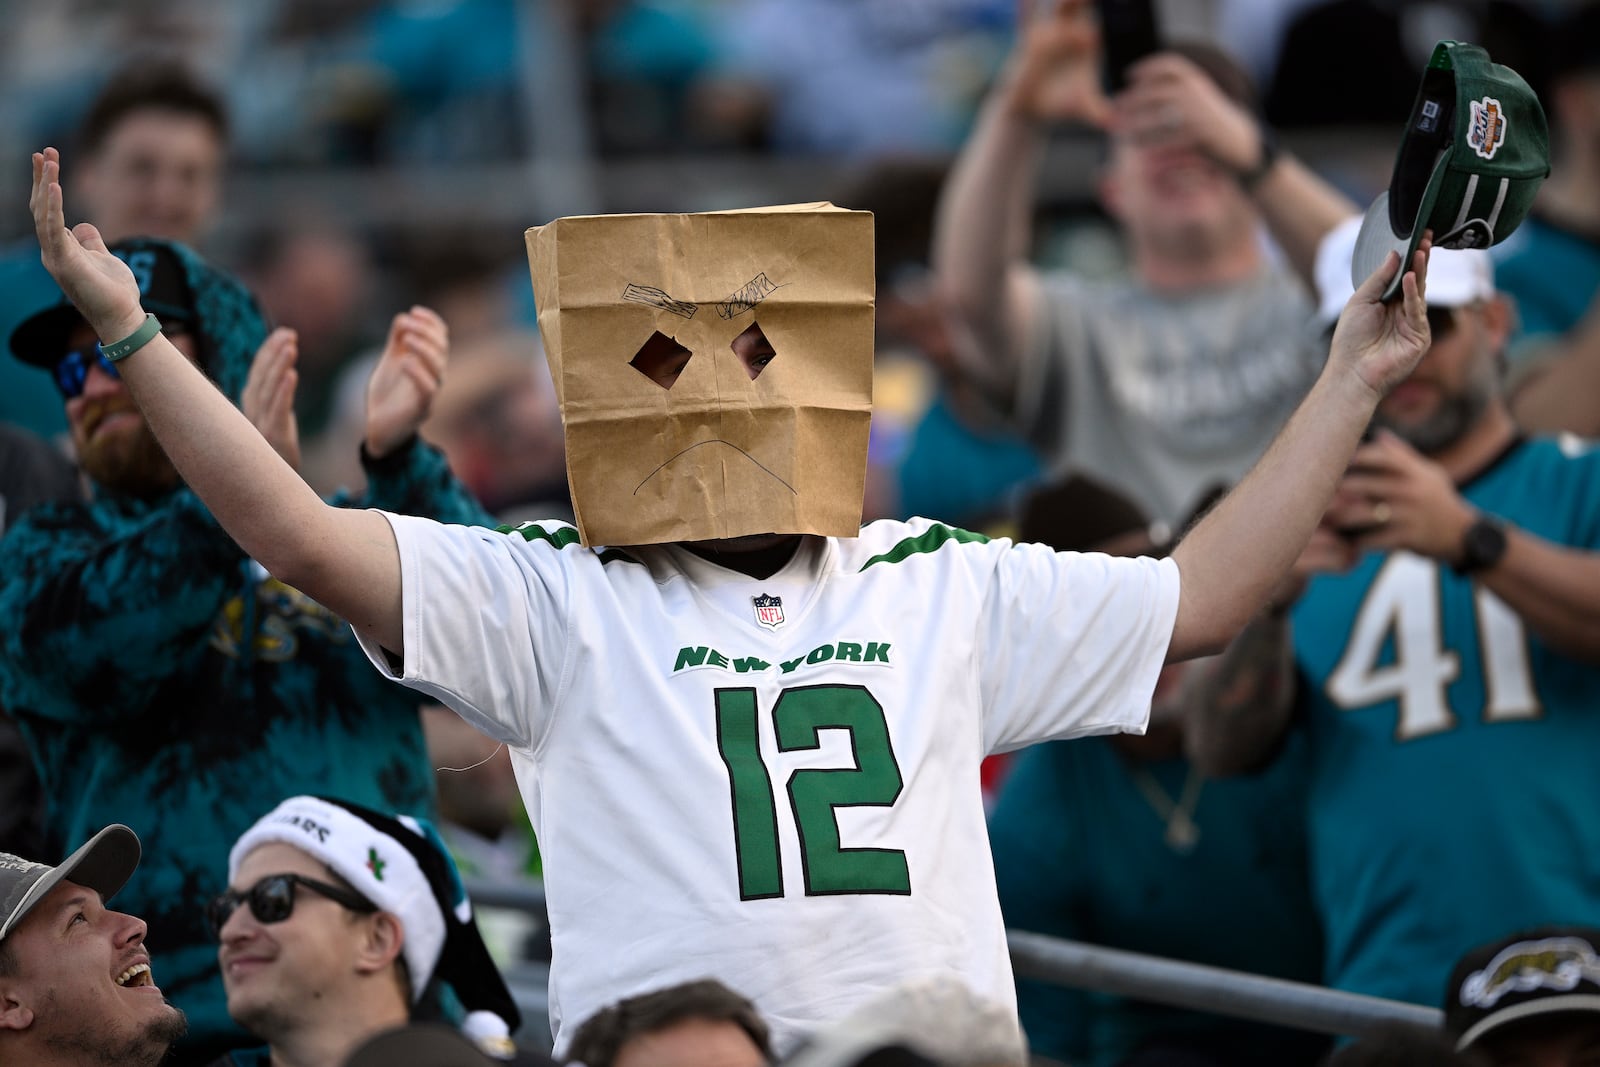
(798, 718)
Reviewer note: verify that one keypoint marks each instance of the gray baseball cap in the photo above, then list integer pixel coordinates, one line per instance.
(104, 863)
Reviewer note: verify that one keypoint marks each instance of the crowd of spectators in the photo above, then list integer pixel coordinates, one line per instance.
(1385, 770)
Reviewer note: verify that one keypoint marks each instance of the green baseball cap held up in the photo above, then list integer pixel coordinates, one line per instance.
(1474, 152)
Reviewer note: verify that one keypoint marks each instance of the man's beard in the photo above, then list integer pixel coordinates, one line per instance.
(129, 462)
(147, 1048)
(1458, 412)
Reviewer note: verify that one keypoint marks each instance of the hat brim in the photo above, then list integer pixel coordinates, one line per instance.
(1378, 236)
(1575, 1004)
(103, 863)
(41, 339)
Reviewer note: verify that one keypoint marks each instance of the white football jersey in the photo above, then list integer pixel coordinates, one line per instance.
(773, 782)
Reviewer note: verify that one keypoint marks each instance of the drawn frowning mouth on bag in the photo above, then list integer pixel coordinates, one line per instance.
(662, 359)
(703, 444)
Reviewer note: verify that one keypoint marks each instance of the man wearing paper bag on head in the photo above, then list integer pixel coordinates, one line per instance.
(714, 370)
(747, 732)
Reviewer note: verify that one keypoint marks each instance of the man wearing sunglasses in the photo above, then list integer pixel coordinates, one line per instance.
(76, 984)
(114, 447)
(336, 921)
(1445, 647)
(142, 651)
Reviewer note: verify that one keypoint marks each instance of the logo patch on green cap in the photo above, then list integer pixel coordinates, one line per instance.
(1488, 130)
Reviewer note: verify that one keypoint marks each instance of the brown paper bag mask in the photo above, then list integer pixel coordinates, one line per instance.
(714, 370)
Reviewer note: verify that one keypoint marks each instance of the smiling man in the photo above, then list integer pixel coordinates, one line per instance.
(76, 986)
(335, 922)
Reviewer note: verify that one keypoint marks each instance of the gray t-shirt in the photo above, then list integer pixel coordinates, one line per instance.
(1165, 397)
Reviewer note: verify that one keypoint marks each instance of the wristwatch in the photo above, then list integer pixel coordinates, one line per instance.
(1482, 545)
(1270, 151)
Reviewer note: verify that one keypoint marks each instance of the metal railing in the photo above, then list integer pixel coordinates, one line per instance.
(1211, 989)
(1131, 974)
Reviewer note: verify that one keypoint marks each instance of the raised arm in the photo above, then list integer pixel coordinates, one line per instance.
(983, 228)
(1234, 557)
(347, 560)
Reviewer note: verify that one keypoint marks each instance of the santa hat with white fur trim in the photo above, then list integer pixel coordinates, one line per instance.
(400, 864)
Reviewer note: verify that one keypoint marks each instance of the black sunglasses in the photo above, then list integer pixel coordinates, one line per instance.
(271, 900)
(72, 370)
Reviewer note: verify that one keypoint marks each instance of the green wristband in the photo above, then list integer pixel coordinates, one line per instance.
(134, 341)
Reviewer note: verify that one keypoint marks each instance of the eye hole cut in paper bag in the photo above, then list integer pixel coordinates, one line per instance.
(712, 452)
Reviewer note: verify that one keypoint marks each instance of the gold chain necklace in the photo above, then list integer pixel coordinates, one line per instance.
(1182, 833)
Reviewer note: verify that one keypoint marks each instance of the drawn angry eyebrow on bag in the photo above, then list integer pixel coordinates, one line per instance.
(649, 294)
(749, 295)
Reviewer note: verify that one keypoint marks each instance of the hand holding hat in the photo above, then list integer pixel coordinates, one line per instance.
(1381, 343)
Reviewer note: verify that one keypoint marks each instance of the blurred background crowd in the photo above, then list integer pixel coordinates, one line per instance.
(383, 153)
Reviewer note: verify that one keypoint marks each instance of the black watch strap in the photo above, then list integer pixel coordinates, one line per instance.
(1482, 546)
(391, 461)
(1269, 155)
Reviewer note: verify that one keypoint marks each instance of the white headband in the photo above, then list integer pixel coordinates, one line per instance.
(380, 868)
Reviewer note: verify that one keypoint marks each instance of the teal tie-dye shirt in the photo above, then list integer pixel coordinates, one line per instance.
(163, 680)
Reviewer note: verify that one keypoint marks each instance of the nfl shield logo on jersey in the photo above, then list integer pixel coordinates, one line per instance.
(769, 610)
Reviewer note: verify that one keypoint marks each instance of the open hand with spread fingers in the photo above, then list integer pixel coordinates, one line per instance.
(268, 396)
(99, 284)
(406, 379)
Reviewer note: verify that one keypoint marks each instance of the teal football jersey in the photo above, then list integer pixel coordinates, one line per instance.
(1453, 793)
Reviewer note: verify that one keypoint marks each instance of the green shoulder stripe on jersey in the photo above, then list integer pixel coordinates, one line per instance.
(532, 531)
(561, 538)
(927, 541)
